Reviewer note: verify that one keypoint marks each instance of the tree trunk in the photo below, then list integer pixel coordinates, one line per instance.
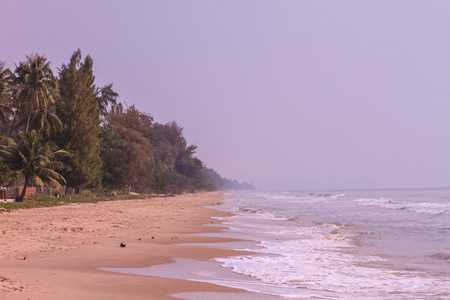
(12, 126)
(24, 190)
(28, 122)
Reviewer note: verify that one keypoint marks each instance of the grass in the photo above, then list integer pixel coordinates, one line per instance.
(46, 201)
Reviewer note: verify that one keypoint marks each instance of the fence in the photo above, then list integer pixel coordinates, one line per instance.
(12, 192)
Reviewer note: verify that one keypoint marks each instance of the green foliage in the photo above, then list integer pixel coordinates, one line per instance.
(34, 162)
(106, 97)
(127, 150)
(45, 201)
(48, 123)
(176, 159)
(119, 148)
(112, 149)
(5, 93)
(161, 177)
(5, 174)
(34, 90)
(80, 116)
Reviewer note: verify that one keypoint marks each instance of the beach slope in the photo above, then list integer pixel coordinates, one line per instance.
(55, 253)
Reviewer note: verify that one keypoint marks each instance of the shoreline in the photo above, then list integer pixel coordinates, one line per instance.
(55, 252)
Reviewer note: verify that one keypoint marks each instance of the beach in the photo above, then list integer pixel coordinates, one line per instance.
(56, 252)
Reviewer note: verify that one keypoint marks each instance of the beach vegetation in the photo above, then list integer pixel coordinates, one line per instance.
(176, 161)
(80, 114)
(34, 87)
(5, 93)
(108, 145)
(106, 98)
(35, 201)
(33, 161)
(5, 174)
(127, 150)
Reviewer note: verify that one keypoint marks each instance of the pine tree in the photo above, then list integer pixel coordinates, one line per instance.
(79, 113)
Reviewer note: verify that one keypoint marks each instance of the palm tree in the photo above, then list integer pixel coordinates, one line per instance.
(5, 176)
(106, 97)
(48, 122)
(34, 162)
(5, 95)
(35, 86)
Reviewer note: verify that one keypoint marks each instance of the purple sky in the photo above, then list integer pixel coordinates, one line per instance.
(289, 94)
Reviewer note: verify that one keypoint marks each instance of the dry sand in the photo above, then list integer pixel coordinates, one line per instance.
(54, 253)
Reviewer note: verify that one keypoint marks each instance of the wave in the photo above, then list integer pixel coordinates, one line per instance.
(441, 256)
(422, 207)
(250, 210)
(261, 213)
(297, 196)
(277, 196)
(322, 259)
(338, 247)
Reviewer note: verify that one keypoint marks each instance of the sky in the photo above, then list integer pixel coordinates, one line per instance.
(285, 94)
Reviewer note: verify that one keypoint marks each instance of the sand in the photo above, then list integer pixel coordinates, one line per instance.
(55, 253)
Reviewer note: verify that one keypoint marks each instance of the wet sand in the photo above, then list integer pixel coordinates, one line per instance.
(55, 253)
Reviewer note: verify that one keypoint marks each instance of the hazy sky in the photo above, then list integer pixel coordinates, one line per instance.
(290, 94)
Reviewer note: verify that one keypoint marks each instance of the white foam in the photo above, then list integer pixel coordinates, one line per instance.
(318, 259)
(339, 273)
(206, 271)
(326, 261)
(222, 296)
(426, 208)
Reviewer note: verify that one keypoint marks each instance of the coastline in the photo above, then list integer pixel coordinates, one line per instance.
(50, 253)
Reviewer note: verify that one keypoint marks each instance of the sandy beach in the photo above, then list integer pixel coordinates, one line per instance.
(55, 253)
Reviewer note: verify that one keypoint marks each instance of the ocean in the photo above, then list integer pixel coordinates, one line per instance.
(359, 244)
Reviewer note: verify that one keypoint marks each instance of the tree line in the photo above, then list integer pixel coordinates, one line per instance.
(63, 130)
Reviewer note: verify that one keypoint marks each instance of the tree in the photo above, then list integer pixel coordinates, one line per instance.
(5, 93)
(176, 157)
(34, 161)
(127, 150)
(48, 122)
(161, 177)
(106, 97)
(35, 86)
(112, 152)
(79, 113)
(5, 174)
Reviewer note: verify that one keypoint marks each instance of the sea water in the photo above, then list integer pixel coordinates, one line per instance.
(374, 244)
